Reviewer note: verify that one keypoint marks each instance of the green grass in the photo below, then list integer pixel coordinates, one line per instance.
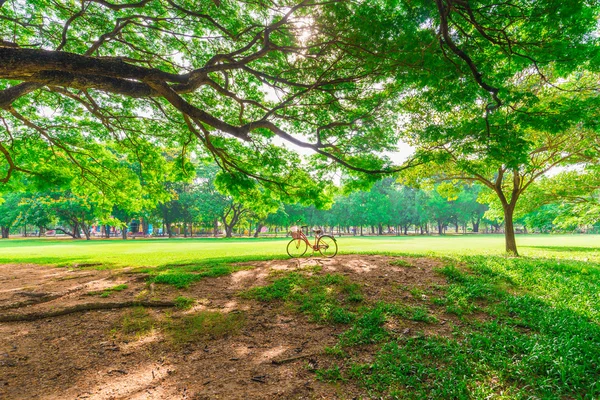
(203, 326)
(528, 328)
(541, 338)
(184, 303)
(180, 329)
(325, 298)
(401, 263)
(519, 328)
(181, 276)
(135, 323)
(160, 252)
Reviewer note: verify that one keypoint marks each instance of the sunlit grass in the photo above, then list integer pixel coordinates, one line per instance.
(160, 252)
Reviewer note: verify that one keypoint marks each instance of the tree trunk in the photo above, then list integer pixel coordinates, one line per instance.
(476, 226)
(440, 228)
(124, 233)
(76, 233)
(5, 230)
(86, 231)
(509, 230)
(259, 227)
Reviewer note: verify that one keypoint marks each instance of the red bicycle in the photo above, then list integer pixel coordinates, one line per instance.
(324, 244)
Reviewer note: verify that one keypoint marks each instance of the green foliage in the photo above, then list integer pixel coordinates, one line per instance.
(9, 209)
(344, 80)
(579, 205)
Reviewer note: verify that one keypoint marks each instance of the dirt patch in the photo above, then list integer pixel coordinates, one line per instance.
(78, 356)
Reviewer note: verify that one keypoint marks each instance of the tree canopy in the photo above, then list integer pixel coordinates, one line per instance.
(97, 90)
(235, 75)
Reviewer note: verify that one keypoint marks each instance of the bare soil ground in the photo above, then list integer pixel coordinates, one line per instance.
(78, 356)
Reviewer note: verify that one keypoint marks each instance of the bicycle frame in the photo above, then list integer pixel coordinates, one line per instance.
(303, 237)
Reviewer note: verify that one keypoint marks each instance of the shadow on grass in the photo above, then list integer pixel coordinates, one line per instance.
(529, 328)
(72, 262)
(181, 275)
(566, 249)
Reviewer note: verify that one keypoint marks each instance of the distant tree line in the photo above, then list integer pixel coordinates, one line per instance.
(198, 207)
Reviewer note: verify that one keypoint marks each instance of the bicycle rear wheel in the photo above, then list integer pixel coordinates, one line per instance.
(296, 248)
(327, 246)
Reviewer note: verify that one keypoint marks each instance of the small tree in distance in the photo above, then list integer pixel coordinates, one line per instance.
(505, 178)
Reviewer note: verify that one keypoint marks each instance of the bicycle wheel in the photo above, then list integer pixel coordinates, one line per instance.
(296, 248)
(327, 246)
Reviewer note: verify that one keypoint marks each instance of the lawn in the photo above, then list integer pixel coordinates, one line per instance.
(157, 252)
(463, 322)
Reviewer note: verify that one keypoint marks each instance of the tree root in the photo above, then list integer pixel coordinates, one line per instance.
(83, 307)
(48, 297)
(39, 300)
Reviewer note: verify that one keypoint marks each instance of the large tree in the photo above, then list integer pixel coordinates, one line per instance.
(243, 77)
(507, 178)
(238, 78)
(534, 104)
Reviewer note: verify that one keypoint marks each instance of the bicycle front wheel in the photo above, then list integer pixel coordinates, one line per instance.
(327, 246)
(296, 248)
